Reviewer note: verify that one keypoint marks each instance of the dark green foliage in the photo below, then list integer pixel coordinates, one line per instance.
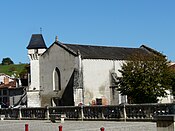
(19, 70)
(173, 81)
(145, 78)
(7, 61)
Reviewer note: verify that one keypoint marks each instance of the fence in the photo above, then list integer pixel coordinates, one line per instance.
(125, 112)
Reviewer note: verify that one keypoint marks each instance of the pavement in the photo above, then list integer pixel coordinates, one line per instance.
(46, 125)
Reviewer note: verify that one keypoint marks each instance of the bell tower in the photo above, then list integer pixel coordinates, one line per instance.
(35, 48)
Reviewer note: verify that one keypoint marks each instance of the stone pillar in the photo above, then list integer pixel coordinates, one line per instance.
(47, 113)
(33, 99)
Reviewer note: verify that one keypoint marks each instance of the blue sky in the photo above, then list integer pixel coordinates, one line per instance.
(124, 23)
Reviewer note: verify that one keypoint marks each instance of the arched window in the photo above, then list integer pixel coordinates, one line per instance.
(56, 79)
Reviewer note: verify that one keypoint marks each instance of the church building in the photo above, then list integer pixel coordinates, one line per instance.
(73, 74)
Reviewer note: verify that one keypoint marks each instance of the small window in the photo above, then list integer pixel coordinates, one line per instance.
(98, 101)
(5, 92)
(0, 100)
(5, 100)
(56, 79)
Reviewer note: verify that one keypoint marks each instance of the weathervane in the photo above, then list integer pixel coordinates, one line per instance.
(40, 30)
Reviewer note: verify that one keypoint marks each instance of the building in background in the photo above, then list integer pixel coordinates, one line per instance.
(12, 92)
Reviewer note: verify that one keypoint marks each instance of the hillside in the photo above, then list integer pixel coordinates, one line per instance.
(18, 69)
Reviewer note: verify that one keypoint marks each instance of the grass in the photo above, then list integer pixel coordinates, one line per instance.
(13, 69)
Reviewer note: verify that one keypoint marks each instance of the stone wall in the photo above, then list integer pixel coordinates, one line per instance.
(33, 99)
(97, 81)
(55, 57)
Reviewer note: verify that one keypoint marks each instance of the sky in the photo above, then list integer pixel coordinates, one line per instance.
(123, 23)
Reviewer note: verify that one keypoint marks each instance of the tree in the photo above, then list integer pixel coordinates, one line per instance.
(7, 61)
(172, 79)
(145, 78)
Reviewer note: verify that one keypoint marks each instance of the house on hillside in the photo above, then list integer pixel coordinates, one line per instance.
(73, 74)
(12, 93)
(4, 78)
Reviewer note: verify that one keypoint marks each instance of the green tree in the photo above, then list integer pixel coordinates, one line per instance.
(7, 61)
(24, 72)
(173, 80)
(145, 78)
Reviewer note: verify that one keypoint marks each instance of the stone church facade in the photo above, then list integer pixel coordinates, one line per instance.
(73, 74)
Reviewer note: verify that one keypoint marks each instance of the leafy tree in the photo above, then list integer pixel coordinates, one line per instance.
(7, 61)
(173, 80)
(12, 69)
(145, 78)
(24, 72)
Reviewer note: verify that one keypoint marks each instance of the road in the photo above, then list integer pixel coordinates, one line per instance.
(46, 125)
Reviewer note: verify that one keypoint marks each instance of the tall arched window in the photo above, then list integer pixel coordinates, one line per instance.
(56, 79)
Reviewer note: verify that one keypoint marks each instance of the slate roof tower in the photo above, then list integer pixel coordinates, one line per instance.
(35, 48)
(37, 42)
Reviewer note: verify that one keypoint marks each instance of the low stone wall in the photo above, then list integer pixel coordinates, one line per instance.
(165, 122)
(128, 112)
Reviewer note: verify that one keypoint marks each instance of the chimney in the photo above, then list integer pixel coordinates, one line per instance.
(56, 39)
(6, 80)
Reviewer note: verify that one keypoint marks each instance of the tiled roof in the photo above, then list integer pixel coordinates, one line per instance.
(37, 42)
(102, 52)
(172, 66)
(11, 84)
